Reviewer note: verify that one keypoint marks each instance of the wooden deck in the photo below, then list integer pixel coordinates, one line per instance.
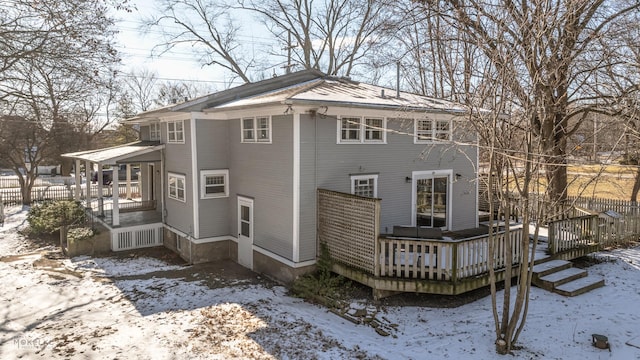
(446, 267)
(349, 226)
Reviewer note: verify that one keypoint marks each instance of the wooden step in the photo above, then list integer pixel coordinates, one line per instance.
(549, 267)
(553, 280)
(579, 286)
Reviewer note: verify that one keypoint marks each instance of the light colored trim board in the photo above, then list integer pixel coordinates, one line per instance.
(175, 122)
(184, 182)
(296, 187)
(282, 259)
(213, 239)
(194, 176)
(430, 174)
(203, 183)
(365, 177)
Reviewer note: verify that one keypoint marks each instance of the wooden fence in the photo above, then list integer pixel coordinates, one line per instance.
(349, 226)
(449, 260)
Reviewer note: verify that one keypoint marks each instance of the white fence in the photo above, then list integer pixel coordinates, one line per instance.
(13, 196)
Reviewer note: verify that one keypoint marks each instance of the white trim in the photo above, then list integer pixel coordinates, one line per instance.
(213, 239)
(282, 259)
(430, 174)
(244, 201)
(194, 175)
(365, 177)
(184, 181)
(362, 130)
(155, 124)
(203, 183)
(296, 187)
(434, 131)
(176, 231)
(174, 122)
(256, 139)
(115, 192)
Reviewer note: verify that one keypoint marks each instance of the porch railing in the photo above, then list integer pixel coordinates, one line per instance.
(449, 260)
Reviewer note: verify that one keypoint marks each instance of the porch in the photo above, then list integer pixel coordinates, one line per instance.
(348, 225)
(140, 224)
(133, 222)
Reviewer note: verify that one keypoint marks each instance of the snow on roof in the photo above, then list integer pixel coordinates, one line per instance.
(343, 92)
(116, 153)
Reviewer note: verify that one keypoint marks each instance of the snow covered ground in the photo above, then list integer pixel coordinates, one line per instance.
(114, 308)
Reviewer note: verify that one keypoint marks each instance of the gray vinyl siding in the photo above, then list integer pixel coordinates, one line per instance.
(308, 187)
(179, 214)
(212, 151)
(393, 162)
(264, 172)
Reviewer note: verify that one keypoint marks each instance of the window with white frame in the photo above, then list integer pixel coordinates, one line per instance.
(350, 129)
(214, 184)
(256, 129)
(374, 129)
(364, 185)
(176, 186)
(154, 131)
(361, 130)
(175, 131)
(426, 130)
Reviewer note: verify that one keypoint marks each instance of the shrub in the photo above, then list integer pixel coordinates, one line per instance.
(79, 234)
(322, 286)
(48, 217)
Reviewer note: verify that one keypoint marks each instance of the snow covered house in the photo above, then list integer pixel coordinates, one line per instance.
(238, 173)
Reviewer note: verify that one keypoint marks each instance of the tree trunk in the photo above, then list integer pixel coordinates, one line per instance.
(636, 185)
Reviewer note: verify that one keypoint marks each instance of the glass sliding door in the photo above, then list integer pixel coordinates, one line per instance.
(431, 194)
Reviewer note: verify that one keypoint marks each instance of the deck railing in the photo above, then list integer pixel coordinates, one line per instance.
(604, 229)
(572, 233)
(449, 260)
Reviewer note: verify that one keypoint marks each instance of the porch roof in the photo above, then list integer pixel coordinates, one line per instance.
(117, 154)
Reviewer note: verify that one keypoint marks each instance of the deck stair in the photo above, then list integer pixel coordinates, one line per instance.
(561, 277)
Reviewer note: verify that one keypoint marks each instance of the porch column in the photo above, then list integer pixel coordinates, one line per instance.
(78, 180)
(87, 175)
(129, 181)
(99, 180)
(115, 191)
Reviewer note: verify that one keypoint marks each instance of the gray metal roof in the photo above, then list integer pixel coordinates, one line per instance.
(331, 91)
(306, 87)
(115, 154)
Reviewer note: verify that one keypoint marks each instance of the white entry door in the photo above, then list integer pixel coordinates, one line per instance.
(431, 199)
(245, 232)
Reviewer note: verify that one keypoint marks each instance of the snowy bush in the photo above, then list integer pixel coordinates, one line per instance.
(48, 217)
(79, 234)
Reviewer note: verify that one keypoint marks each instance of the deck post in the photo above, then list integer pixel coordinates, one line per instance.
(87, 175)
(115, 196)
(552, 238)
(128, 181)
(78, 181)
(454, 263)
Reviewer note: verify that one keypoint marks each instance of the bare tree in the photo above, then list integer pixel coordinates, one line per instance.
(53, 88)
(207, 28)
(333, 36)
(552, 49)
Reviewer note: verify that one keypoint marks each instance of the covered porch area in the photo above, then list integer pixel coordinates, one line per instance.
(133, 217)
